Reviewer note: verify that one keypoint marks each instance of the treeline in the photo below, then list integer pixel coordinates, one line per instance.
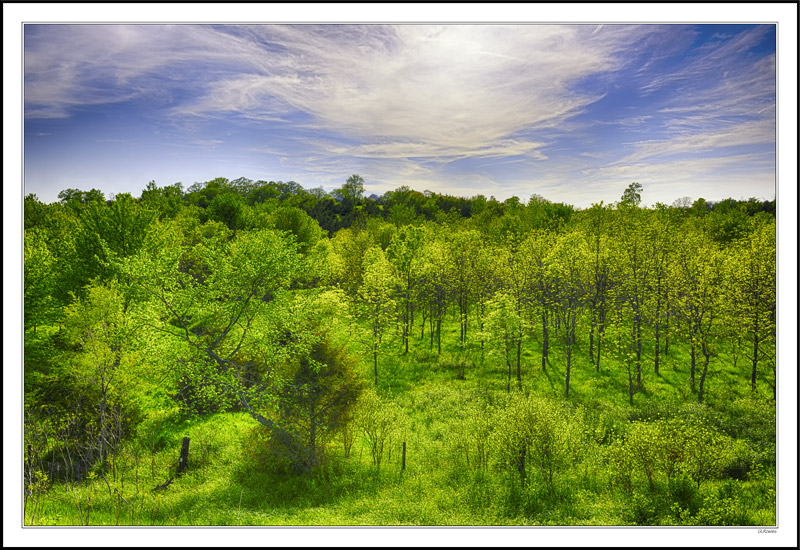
(224, 199)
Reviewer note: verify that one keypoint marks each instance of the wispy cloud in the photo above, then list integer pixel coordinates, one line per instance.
(524, 108)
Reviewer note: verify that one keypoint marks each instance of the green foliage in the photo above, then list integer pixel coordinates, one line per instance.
(536, 431)
(316, 403)
(193, 314)
(379, 420)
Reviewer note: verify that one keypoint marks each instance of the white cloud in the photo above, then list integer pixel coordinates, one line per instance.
(464, 87)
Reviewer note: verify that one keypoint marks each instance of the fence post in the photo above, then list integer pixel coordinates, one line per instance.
(183, 463)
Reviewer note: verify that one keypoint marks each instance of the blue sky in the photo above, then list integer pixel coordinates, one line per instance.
(570, 112)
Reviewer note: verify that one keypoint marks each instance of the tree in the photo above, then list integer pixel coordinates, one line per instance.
(632, 195)
(317, 401)
(403, 253)
(375, 295)
(702, 277)
(101, 328)
(536, 431)
(378, 419)
(223, 310)
(635, 267)
(39, 274)
(598, 223)
(351, 192)
(464, 249)
(305, 229)
(537, 249)
(109, 232)
(752, 270)
(230, 209)
(503, 329)
(567, 261)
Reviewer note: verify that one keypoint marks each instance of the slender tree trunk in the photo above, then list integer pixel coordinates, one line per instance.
(591, 334)
(657, 347)
(601, 330)
(508, 364)
(375, 361)
(569, 365)
(597, 355)
(755, 354)
(375, 345)
(707, 357)
(431, 327)
(666, 334)
(545, 340)
(519, 359)
(630, 383)
(439, 333)
(408, 322)
(570, 328)
(638, 348)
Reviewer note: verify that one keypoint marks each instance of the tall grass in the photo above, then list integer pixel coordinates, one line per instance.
(453, 475)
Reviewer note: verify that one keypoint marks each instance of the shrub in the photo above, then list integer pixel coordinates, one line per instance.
(541, 432)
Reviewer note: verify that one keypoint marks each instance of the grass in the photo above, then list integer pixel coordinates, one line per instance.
(227, 482)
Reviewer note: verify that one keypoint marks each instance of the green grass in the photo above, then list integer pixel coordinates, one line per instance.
(440, 397)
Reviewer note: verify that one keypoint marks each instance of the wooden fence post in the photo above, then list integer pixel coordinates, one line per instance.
(183, 463)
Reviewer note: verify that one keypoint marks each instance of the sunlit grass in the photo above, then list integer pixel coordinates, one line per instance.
(228, 483)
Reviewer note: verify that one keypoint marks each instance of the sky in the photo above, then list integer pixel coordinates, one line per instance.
(573, 112)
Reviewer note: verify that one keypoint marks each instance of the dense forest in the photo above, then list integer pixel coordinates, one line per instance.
(255, 353)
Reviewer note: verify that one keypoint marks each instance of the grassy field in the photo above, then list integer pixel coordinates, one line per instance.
(446, 406)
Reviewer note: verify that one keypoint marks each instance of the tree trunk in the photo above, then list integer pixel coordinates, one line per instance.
(707, 357)
(569, 364)
(630, 383)
(755, 354)
(375, 361)
(545, 342)
(591, 334)
(519, 359)
(657, 345)
(439, 334)
(638, 348)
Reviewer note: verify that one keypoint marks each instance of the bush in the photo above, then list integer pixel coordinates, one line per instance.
(317, 402)
(379, 420)
(536, 431)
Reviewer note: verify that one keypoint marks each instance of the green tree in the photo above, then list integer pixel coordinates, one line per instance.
(101, 327)
(316, 402)
(39, 273)
(632, 195)
(537, 248)
(568, 262)
(222, 308)
(503, 329)
(230, 209)
(403, 253)
(378, 419)
(536, 431)
(752, 269)
(702, 278)
(376, 300)
(351, 192)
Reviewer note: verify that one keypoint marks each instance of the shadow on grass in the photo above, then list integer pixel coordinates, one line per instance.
(254, 491)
